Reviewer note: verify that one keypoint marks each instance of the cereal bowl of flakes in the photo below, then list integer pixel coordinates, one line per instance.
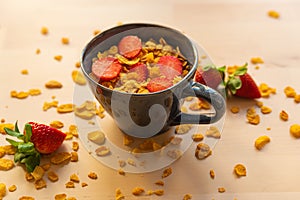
(140, 73)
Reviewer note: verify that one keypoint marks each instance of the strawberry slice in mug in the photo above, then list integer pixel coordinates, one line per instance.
(170, 66)
(106, 68)
(158, 84)
(130, 46)
(141, 70)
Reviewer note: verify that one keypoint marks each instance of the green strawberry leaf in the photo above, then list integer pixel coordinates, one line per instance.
(241, 70)
(31, 162)
(16, 127)
(14, 143)
(19, 156)
(222, 69)
(26, 147)
(28, 132)
(14, 133)
(234, 84)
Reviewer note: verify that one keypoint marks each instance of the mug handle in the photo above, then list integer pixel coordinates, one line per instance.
(210, 95)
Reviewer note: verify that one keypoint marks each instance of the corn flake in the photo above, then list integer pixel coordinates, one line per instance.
(102, 151)
(44, 30)
(167, 172)
(273, 14)
(119, 195)
(24, 71)
(212, 174)
(38, 173)
(75, 146)
(12, 188)
(74, 156)
(295, 130)
(58, 57)
(60, 158)
(65, 108)
(53, 84)
(6, 164)
(19, 95)
(297, 98)
(187, 197)
(235, 109)
(48, 105)
(284, 115)
(213, 131)
(74, 178)
(265, 110)
(57, 124)
(2, 190)
(261, 141)
(97, 137)
(65, 40)
(183, 128)
(197, 137)
(240, 170)
(39, 184)
(26, 198)
(202, 151)
(92, 175)
(137, 191)
(62, 196)
(52, 176)
(257, 60)
(78, 77)
(221, 190)
(70, 184)
(289, 92)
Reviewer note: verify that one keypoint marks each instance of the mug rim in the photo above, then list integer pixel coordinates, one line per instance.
(185, 78)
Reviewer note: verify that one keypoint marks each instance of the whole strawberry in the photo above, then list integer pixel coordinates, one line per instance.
(35, 140)
(210, 76)
(241, 84)
(46, 139)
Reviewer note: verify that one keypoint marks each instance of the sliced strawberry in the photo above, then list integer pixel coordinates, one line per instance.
(141, 70)
(130, 46)
(46, 139)
(106, 68)
(248, 88)
(209, 76)
(170, 66)
(158, 84)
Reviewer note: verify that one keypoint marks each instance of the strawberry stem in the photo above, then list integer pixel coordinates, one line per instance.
(234, 82)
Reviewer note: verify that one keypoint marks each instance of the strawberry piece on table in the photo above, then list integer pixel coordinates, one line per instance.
(241, 84)
(248, 89)
(170, 66)
(106, 68)
(141, 70)
(46, 139)
(130, 46)
(158, 84)
(209, 76)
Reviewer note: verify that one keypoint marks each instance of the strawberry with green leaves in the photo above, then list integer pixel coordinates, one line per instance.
(241, 84)
(36, 139)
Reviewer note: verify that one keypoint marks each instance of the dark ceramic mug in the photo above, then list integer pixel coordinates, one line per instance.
(145, 115)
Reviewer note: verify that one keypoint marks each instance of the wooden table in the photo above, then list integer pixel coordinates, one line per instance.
(232, 32)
